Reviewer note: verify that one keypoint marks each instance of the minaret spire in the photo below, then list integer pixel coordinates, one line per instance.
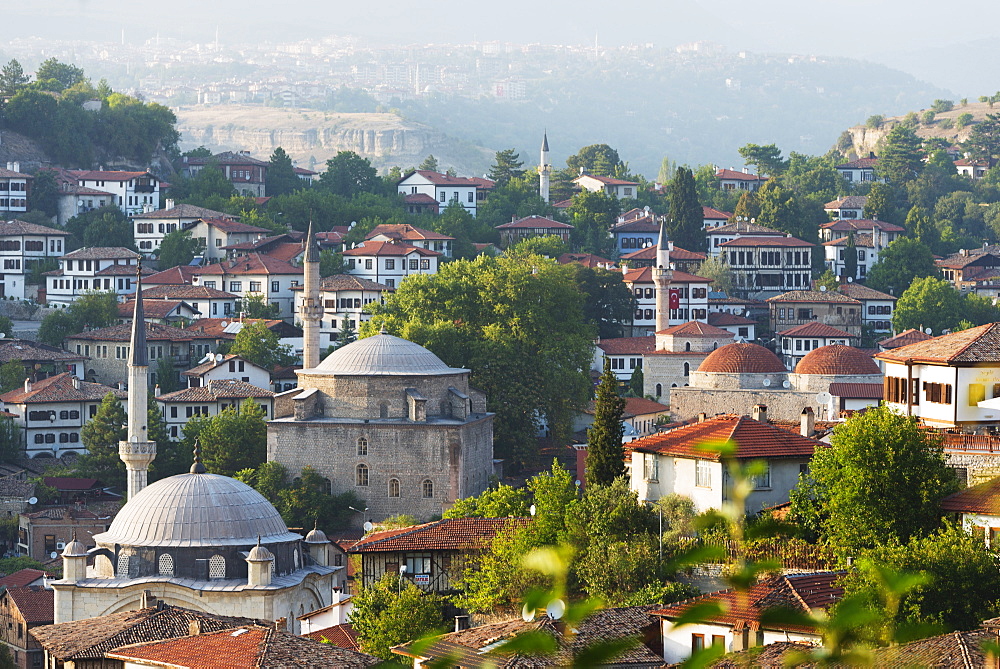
(544, 169)
(662, 276)
(137, 452)
(311, 310)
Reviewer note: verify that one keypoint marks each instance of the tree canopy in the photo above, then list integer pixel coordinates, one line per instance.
(281, 176)
(232, 440)
(899, 264)
(767, 159)
(599, 159)
(348, 173)
(685, 225)
(93, 309)
(101, 435)
(259, 345)
(178, 248)
(605, 454)
(506, 166)
(392, 611)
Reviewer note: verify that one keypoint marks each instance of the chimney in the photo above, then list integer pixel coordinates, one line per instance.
(194, 627)
(461, 623)
(27, 385)
(76, 383)
(148, 600)
(169, 203)
(807, 422)
(281, 624)
(760, 413)
(17, 166)
(702, 417)
(10, 166)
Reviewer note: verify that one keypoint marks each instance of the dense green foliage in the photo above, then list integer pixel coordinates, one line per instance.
(605, 455)
(936, 304)
(178, 248)
(101, 435)
(232, 440)
(259, 345)
(392, 611)
(90, 310)
(304, 501)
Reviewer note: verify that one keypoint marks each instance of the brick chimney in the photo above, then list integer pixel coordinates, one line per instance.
(759, 412)
(807, 422)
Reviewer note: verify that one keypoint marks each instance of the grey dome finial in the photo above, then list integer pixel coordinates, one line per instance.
(197, 467)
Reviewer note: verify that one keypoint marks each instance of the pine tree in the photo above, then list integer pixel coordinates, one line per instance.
(605, 455)
(101, 435)
(850, 258)
(635, 383)
(686, 225)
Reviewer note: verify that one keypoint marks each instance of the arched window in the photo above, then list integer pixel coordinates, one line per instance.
(328, 486)
(166, 565)
(362, 475)
(659, 389)
(217, 567)
(362, 446)
(295, 556)
(687, 368)
(393, 487)
(687, 346)
(428, 488)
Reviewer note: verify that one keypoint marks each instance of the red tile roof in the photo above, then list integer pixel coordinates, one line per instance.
(627, 345)
(339, 635)
(253, 263)
(710, 213)
(446, 534)
(123, 332)
(217, 389)
(184, 292)
(733, 175)
(799, 592)
(101, 175)
(859, 163)
(406, 232)
(720, 318)
(696, 329)
(975, 345)
(640, 406)
(176, 276)
(839, 360)
(534, 221)
(904, 338)
(22, 578)
(789, 242)
(814, 329)
(228, 158)
(151, 308)
(744, 227)
(858, 224)
(183, 211)
(16, 227)
(849, 202)
(372, 248)
(645, 275)
(585, 259)
(857, 391)
(859, 292)
(817, 296)
(983, 498)
(607, 181)
(676, 253)
(419, 198)
(214, 328)
(742, 358)
(753, 439)
(60, 388)
(103, 253)
(35, 603)
(644, 224)
(230, 226)
(439, 179)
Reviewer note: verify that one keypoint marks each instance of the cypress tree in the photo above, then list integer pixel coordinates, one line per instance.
(605, 455)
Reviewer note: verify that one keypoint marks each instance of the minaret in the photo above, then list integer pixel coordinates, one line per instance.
(137, 451)
(544, 169)
(662, 275)
(311, 310)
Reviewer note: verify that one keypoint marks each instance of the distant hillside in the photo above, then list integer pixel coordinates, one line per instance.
(865, 139)
(312, 137)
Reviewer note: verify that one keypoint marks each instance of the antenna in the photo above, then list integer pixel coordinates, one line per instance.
(32, 500)
(219, 357)
(822, 289)
(928, 331)
(527, 615)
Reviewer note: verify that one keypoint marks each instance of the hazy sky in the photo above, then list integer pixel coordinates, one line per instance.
(887, 31)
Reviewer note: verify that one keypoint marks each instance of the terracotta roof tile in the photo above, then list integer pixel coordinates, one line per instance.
(228, 158)
(857, 391)
(696, 329)
(859, 224)
(608, 181)
(789, 242)
(123, 332)
(16, 227)
(904, 338)
(177, 276)
(373, 248)
(151, 308)
(106, 175)
(958, 650)
(710, 213)
(859, 292)
(814, 329)
(35, 603)
(627, 345)
(439, 179)
(849, 202)
(585, 259)
(720, 318)
(406, 232)
(183, 211)
(859, 163)
(817, 296)
(534, 222)
(21, 578)
(184, 292)
(753, 439)
(838, 360)
(742, 358)
(252, 263)
(645, 275)
(102, 253)
(645, 224)
(983, 498)
(339, 635)
(217, 389)
(447, 534)
(229, 226)
(975, 345)
(733, 175)
(638, 406)
(60, 388)
(29, 351)
(745, 228)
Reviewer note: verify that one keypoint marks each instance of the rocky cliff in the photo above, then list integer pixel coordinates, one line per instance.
(312, 137)
(864, 139)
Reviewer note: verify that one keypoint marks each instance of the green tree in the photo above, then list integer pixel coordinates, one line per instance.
(880, 482)
(877, 204)
(605, 455)
(515, 321)
(899, 264)
(685, 226)
(499, 501)
(550, 246)
(44, 195)
(56, 76)
(927, 118)
(608, 303)
(346, 335)
(901, 156)
(635, 386)
(875, 121)
(850, 258)
(331, 263)
(963, 120)
(828, 280)
(259, 345)
(942, 106)
(979, 310)
(55, 327)
(11, 375)
(231, 440)
(110, 230)
(178, 248)
(281, 176)
(780, 209)
(599, 159)
(347, 173)
(747, 208)
(506, 166)
(929, 303)
(172, 457)
(393, 611)
(12, 79)
(11, 440)
(304, 501)
(101, 435)
(593, 214)
(429, 163)
(667, 169)
(984, 138)
(206, 187)
(91, 309)
(716, 269)
(767, 159)
(255, 305)
(166, 376)
(961, 585)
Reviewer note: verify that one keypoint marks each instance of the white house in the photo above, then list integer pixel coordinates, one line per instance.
(52, 411)
(216, 233)
(848, 207)
(390, 262)
(621, 189)
(152, 226)
(734, 180)
(865, 249)
(111, 268)
(740, 326)
(739, 625)
(412, 235)
(254, 274)
(163, 311)
(624, 353)
(14, 188)
(768, 264)
(713, 218)
(971, 168)
(134, 192)
(882, 233)
(209, 301)
(876, 306)
(211, 399)
(218, 367)
(727, 232)
(344, 298)
(22, 246)
(859, 170)
(979, 507)
(948, 381)
(688, 298)
(672, 462)
(443, 188)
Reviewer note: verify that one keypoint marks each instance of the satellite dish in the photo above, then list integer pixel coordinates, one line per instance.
(32, 500)
(224, 323)
(824, 397)
(53, 555)
(850, 279)
(219, 357)
(368, 526)
(527, 615)
(927, 331)
(822, 289)
(532, 509)
(556, 609)
(785, 384)
(2, 335)
(767, 382)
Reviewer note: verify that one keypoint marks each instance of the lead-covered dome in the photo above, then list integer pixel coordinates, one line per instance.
(837, 360)
(197, 510)
(384, 355)
(742, 358)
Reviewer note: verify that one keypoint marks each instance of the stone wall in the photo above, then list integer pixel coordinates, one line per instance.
(371, 397)
(784, 405)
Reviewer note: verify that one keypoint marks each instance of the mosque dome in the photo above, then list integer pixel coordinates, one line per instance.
(384, 355)
(197, 510)
(742, 358)
(837, 360)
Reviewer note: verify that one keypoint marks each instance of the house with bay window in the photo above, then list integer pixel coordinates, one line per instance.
(105, 269)
(688, 298)
(765, 266)
(132, 192)
(443, 188)
(22, 247)
(390, 262)
(14, 188)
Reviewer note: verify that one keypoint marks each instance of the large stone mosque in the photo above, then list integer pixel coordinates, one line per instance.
(382, 417)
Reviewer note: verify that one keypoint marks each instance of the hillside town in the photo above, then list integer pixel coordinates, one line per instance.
(253, 414)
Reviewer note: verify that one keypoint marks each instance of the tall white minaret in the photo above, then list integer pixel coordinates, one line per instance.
(311, 310)
(544, 169)
(137, 451)
(662, 276)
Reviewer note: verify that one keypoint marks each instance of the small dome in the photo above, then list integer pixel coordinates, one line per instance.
(259, 554)
(197, 510)
(837, 360)
(742, 359)
(316, 536)
(384, 355)
(75, 549)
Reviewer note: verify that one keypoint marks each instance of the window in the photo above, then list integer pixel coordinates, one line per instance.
(413, 263)
(425, 264)
(763, 480)
(255, 286)
(368, 263)
(217, 567)
(361, 476)
(697, 643)
(393, 487)
(390, 263)
(418, 563)
(651, 466)
(938, 393)
(427, 488)
(719, 640)
(442, 197)
(235, 286)
(50, 543)
(703, 474)
(166, 565)
(275, 287)
(362, 446)
(471, 197)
